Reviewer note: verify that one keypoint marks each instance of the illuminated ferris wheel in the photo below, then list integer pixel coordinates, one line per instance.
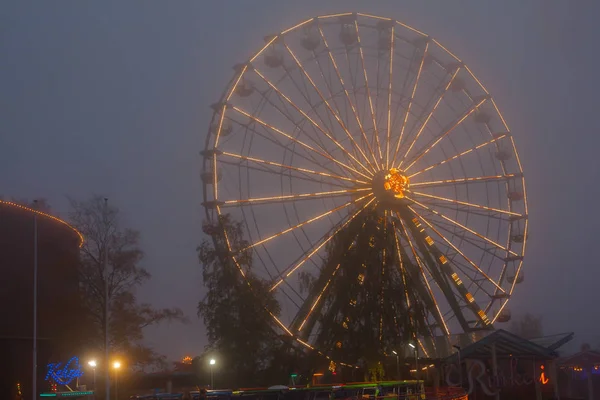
(379, 187)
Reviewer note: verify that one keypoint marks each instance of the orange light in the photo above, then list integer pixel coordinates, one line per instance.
(10, 203)
(396, 182)
(543, 378)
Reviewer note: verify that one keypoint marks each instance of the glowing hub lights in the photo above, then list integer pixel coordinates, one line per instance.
(355, 152)
(396, 183)
(390, 184)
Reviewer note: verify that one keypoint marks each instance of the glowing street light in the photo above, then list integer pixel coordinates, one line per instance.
(397, 363)
(93, 364)
(212, 363)
(416, 360)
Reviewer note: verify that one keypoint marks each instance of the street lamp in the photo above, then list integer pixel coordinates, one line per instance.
(416, 360)
(397, 364)
(212, 362)
(116, 366)
(459, 364)
(93, 364)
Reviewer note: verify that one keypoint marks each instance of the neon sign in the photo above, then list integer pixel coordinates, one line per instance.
(543, 378)
(478, 375)
(64, 375)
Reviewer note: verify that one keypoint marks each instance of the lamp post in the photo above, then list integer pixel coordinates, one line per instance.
(212, 363)
(459, 365)
(106, 305)
(416, 361)
(116, 366)
(35, 295)
(93, 364)
(397, 364)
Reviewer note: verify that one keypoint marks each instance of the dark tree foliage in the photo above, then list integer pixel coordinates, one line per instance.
(370, 306)
(99, 224)
(234, 310)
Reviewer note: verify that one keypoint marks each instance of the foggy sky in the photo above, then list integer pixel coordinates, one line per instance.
(112, 97)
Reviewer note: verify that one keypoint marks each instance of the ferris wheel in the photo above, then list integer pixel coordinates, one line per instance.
(379, 188)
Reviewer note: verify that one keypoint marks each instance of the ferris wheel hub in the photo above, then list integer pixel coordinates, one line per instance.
(390, 184)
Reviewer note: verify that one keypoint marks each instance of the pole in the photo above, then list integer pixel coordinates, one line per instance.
(106, 297)
(417, 364)
(35, 294)
(116, 387)
(495, 372)
(94, 369)
(460, 374)
(398, 366)
(212, 383)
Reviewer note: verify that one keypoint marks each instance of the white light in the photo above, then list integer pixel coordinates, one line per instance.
(394, 351)
(412, 345)
(212, 361)
(116, 365)
(92, 363)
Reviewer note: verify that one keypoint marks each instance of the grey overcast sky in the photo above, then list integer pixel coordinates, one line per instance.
(112, 97)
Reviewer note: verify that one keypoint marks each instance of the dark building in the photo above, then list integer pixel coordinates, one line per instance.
(58, 296)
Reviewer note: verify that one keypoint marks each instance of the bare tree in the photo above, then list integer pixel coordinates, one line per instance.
(99, 224)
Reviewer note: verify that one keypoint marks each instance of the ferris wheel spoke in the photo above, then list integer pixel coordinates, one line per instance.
(472, 240)
(290, 175)
(457, 250)
(317, 300)
(317, 140)
(402, 272)
(410, 102)
(336, 117)
(308, 221)
(389, 105)
(324, 240)
(464, 203)
(434, 308)
(308, 157)
(422, 152)
(287, 101)
(347, 95)
(469, 212)
(478, 179)
(465, 228)
(291, 197)
(369, 97)
(307, 146)
(457, 291)
(472, 149)
(290, 167)
(429, 115)
(336, 110)
(299, 110)
(446, 279)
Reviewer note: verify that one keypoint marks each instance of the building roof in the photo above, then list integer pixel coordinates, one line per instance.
(44, 215)
(588, 357)
(553, 342)
(507, 345)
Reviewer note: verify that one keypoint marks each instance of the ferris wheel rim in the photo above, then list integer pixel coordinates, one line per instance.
(228, 93)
